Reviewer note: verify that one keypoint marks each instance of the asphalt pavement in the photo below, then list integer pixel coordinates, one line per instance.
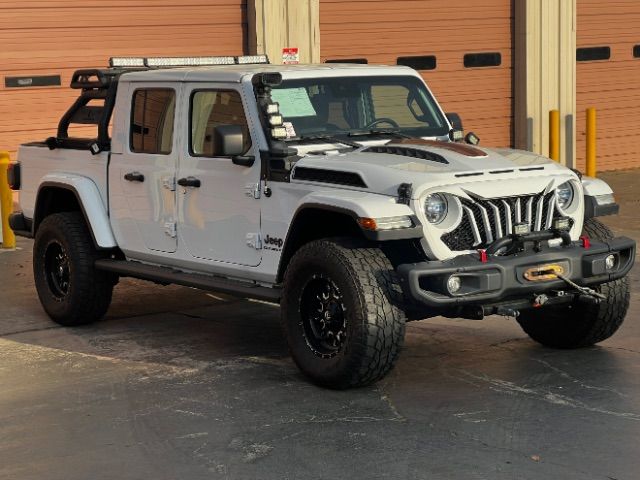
(181, 384)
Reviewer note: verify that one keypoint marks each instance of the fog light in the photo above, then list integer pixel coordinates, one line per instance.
(454, 284)
(610, 262)
(521, 228)
(562, 223)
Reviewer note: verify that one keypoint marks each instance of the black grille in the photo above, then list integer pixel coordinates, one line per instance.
(407, 152)
(484, 221)
(322, 175)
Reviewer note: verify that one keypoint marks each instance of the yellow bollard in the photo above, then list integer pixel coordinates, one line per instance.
(6, 203)
(591, 142)
(554, 135)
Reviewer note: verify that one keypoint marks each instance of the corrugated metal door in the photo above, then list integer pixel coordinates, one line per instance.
(55, 37)
(611, 85)
(381, 31)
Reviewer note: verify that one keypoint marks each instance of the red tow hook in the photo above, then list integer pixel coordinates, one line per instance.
(586, 242)
(484, 258)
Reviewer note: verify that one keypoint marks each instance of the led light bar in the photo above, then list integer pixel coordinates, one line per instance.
(159, 62)
(126, 62)
(247, 59)
(188, 61)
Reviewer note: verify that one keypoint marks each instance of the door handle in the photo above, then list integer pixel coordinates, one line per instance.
(134, 177)
(189, 182)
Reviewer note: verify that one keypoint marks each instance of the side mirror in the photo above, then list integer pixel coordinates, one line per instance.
(455, 121)
(229, 140)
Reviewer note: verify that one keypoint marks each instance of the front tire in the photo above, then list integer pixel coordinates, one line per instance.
(71, 290)
(581, 324)
(341, 313)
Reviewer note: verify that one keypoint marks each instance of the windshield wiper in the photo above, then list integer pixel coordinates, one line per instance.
(332, 139)
(379, 131)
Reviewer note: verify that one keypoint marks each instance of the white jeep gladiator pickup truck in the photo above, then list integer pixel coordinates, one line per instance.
(343, 192)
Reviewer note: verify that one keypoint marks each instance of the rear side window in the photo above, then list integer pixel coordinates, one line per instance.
(152, 118)
(211, 109)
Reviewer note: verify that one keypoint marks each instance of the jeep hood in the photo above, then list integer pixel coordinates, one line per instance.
(427, 164)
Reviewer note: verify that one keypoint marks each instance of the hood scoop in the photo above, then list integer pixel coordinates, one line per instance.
(459, 148)
(407, 152)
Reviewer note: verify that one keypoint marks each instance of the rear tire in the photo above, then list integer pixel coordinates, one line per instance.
(581, 324)
(71, 290)
(341, 313)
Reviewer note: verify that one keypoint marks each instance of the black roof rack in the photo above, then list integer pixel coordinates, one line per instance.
(102, 84)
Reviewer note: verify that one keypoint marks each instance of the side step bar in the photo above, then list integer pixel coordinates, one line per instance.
(195, 280)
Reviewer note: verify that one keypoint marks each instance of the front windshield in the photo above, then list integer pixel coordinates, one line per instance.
(358, 105)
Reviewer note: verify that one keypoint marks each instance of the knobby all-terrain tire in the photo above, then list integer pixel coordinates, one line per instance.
(79, 294)
(370, 306)
(581, 324)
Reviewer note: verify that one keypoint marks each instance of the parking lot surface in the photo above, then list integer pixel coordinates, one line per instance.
(182, 384)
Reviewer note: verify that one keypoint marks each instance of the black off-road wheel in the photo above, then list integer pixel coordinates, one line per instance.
(71, 290)
(581, 324)
(342, 313)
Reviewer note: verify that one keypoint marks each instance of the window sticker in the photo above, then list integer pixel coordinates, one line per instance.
(294, 102)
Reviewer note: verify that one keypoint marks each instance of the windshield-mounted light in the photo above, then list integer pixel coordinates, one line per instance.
(279, 133)
(456, 135)
(276, 120)
(273, 108)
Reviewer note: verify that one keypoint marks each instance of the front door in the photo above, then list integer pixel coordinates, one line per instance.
(141, 176)
(219, 212)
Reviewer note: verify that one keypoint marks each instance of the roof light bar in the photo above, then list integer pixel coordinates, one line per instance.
(126, 62)
(248, 59)
(159, 62)
(188, 61)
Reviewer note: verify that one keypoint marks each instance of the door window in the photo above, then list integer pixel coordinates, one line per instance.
(152, 119)
(211, 109)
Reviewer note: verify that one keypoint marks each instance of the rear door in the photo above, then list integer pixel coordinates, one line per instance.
(219, 220)
(142, 176)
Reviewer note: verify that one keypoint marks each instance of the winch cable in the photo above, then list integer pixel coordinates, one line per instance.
(584, 290)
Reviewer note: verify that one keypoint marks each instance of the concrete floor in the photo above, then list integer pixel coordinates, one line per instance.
(179, 384)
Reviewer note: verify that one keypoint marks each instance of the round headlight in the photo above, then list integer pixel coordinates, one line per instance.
(435, 207)
(565, 195)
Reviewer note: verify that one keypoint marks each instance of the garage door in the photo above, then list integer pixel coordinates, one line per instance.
(43, 39)
(462, 48)
(608, 78)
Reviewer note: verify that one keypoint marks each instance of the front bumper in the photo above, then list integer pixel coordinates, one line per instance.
(503, 277)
